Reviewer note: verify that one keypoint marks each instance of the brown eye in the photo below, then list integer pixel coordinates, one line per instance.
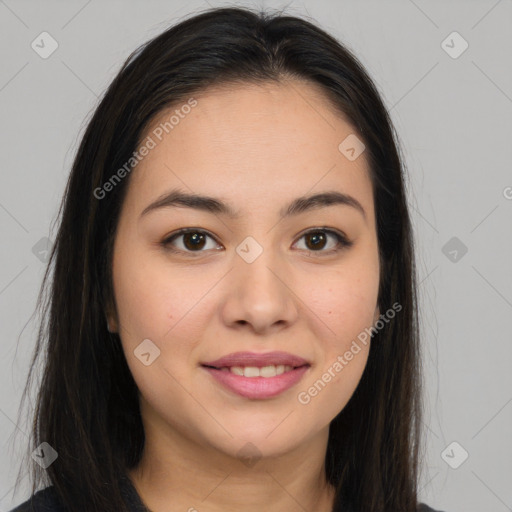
(193, 240)
(318, 239)
(315, 240)
(196, 241)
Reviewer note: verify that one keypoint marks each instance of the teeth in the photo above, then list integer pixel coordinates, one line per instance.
(253, 371)
(268, 371)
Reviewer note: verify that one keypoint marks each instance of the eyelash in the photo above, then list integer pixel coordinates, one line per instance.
(343, 242)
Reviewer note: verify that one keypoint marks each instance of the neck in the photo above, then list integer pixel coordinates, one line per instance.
(176, 474)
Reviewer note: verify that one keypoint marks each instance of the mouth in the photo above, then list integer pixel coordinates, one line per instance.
(257, 376)
(275, 359)
(266, 372)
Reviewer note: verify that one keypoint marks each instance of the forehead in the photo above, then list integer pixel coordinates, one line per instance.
(257, 142)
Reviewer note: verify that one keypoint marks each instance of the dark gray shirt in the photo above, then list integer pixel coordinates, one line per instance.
(46, 500)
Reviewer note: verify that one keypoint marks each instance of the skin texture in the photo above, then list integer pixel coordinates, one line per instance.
(257, 147)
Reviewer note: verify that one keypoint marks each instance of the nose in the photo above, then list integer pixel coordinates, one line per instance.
(259, 295)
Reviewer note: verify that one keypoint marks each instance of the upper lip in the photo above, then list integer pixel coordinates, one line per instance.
(258, 360)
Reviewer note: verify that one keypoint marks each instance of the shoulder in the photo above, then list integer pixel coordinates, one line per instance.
(425, 508)
(45, 500)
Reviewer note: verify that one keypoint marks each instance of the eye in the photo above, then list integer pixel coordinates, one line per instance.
(316, 240)
(193, 240)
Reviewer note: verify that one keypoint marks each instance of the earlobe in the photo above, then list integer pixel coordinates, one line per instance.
(111, 321)
(376, 315)
(110, 311)
(111, 325)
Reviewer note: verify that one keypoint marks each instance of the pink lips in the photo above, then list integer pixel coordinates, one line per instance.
(259, 360)
(257, 387)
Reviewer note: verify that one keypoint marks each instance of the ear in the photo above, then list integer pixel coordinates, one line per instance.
(111, 325)
(376, 314)
(111, 317)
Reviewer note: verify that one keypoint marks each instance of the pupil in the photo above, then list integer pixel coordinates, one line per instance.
(316, 236)
(195, 237)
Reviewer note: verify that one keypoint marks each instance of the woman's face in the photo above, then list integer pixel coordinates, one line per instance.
(268, 278)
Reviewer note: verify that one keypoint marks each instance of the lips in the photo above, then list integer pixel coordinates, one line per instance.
(257, 376)
(254, 359)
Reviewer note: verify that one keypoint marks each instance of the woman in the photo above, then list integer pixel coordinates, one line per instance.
(232, 321)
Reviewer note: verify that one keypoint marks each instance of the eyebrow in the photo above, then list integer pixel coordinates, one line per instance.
(177, 198)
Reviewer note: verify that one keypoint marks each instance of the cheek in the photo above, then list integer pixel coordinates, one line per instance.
(345, 300)
(150, 297)
(156, 304)
(331, 387)
(342, 351)
(346, 313)
(344, 306)
(166, 305)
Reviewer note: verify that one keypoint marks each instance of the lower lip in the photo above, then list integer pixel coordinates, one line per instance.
(258, 387)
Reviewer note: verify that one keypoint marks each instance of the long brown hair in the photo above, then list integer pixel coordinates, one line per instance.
(87, 406)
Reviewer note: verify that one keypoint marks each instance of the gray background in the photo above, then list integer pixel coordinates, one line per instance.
(454, 117)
